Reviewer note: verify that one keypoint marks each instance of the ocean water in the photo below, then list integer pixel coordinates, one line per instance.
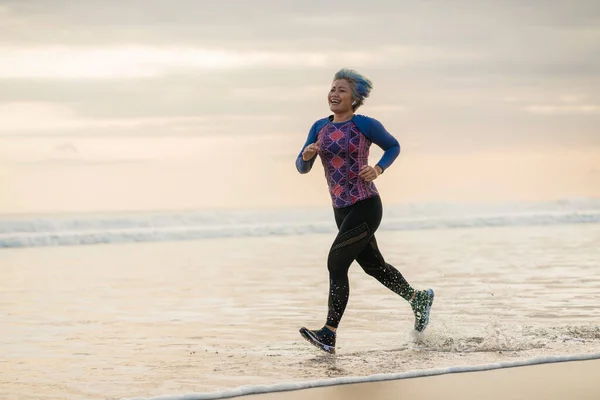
(174, 303)
(65, 229)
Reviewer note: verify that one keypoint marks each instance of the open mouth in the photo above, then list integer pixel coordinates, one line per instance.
(335, 101)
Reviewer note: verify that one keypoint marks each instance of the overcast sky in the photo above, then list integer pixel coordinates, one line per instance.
(144, 104)
(445, 72)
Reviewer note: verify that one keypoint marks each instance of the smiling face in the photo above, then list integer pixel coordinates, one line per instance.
(340, 96)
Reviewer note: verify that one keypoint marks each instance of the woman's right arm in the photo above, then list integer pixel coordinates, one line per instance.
(302, 165)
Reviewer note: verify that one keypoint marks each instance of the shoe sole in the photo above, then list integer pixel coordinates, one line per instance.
(427, 310)
(310, 338)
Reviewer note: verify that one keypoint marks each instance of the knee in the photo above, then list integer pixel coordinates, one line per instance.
(335, 266)
(372, 268)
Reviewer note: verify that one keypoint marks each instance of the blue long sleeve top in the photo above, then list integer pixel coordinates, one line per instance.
(344, 150)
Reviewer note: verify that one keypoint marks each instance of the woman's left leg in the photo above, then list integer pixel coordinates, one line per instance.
(372, 262)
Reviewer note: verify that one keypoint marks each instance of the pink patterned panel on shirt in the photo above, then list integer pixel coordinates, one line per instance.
(344, 151)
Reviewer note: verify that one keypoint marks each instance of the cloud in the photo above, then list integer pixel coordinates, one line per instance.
(387, 108)
(571, 98)
(133, 62)
(580, 103)
(59, 119)
(561, 109)
(444, 72)
(515, 41)
(273, 93)
(306, 25)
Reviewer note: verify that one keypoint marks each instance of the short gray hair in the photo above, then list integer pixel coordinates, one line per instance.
(361, 86)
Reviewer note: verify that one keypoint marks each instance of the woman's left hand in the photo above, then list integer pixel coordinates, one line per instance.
(368, 173)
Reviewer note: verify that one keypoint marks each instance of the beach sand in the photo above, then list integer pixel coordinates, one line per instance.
(172, 318)
(577, 380)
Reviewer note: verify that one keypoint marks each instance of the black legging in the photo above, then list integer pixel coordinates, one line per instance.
(356, 241)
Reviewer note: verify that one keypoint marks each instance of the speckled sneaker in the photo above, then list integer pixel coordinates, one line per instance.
(421, 306)
(323, 339)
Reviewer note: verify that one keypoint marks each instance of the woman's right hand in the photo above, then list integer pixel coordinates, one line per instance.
(310, 150)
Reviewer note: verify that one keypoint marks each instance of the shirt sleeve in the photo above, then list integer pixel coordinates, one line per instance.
(305, 166)
(388, 143)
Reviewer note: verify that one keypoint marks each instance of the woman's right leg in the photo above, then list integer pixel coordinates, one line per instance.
(356, 224)
(355, 230)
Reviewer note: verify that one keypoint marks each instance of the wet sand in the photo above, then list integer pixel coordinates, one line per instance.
(577, 380)
(175, 318)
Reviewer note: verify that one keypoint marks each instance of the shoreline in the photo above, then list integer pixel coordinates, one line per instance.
(561, 376)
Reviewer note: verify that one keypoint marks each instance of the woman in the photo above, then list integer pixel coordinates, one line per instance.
(342, 141)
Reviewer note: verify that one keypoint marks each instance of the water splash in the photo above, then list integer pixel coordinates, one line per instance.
(495, 337)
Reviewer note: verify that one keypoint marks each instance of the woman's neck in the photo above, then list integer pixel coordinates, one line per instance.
(343, 117)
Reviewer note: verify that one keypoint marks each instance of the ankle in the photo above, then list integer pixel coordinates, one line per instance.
(413, 296)
(330, 328)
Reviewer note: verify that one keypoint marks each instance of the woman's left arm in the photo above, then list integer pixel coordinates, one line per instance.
(388, 143)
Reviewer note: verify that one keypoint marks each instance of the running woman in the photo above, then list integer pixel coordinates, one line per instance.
(342, 142)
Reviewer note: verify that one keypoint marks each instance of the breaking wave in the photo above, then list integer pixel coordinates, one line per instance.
(29, 231)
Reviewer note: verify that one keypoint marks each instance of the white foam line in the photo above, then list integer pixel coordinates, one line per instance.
(284, 387)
